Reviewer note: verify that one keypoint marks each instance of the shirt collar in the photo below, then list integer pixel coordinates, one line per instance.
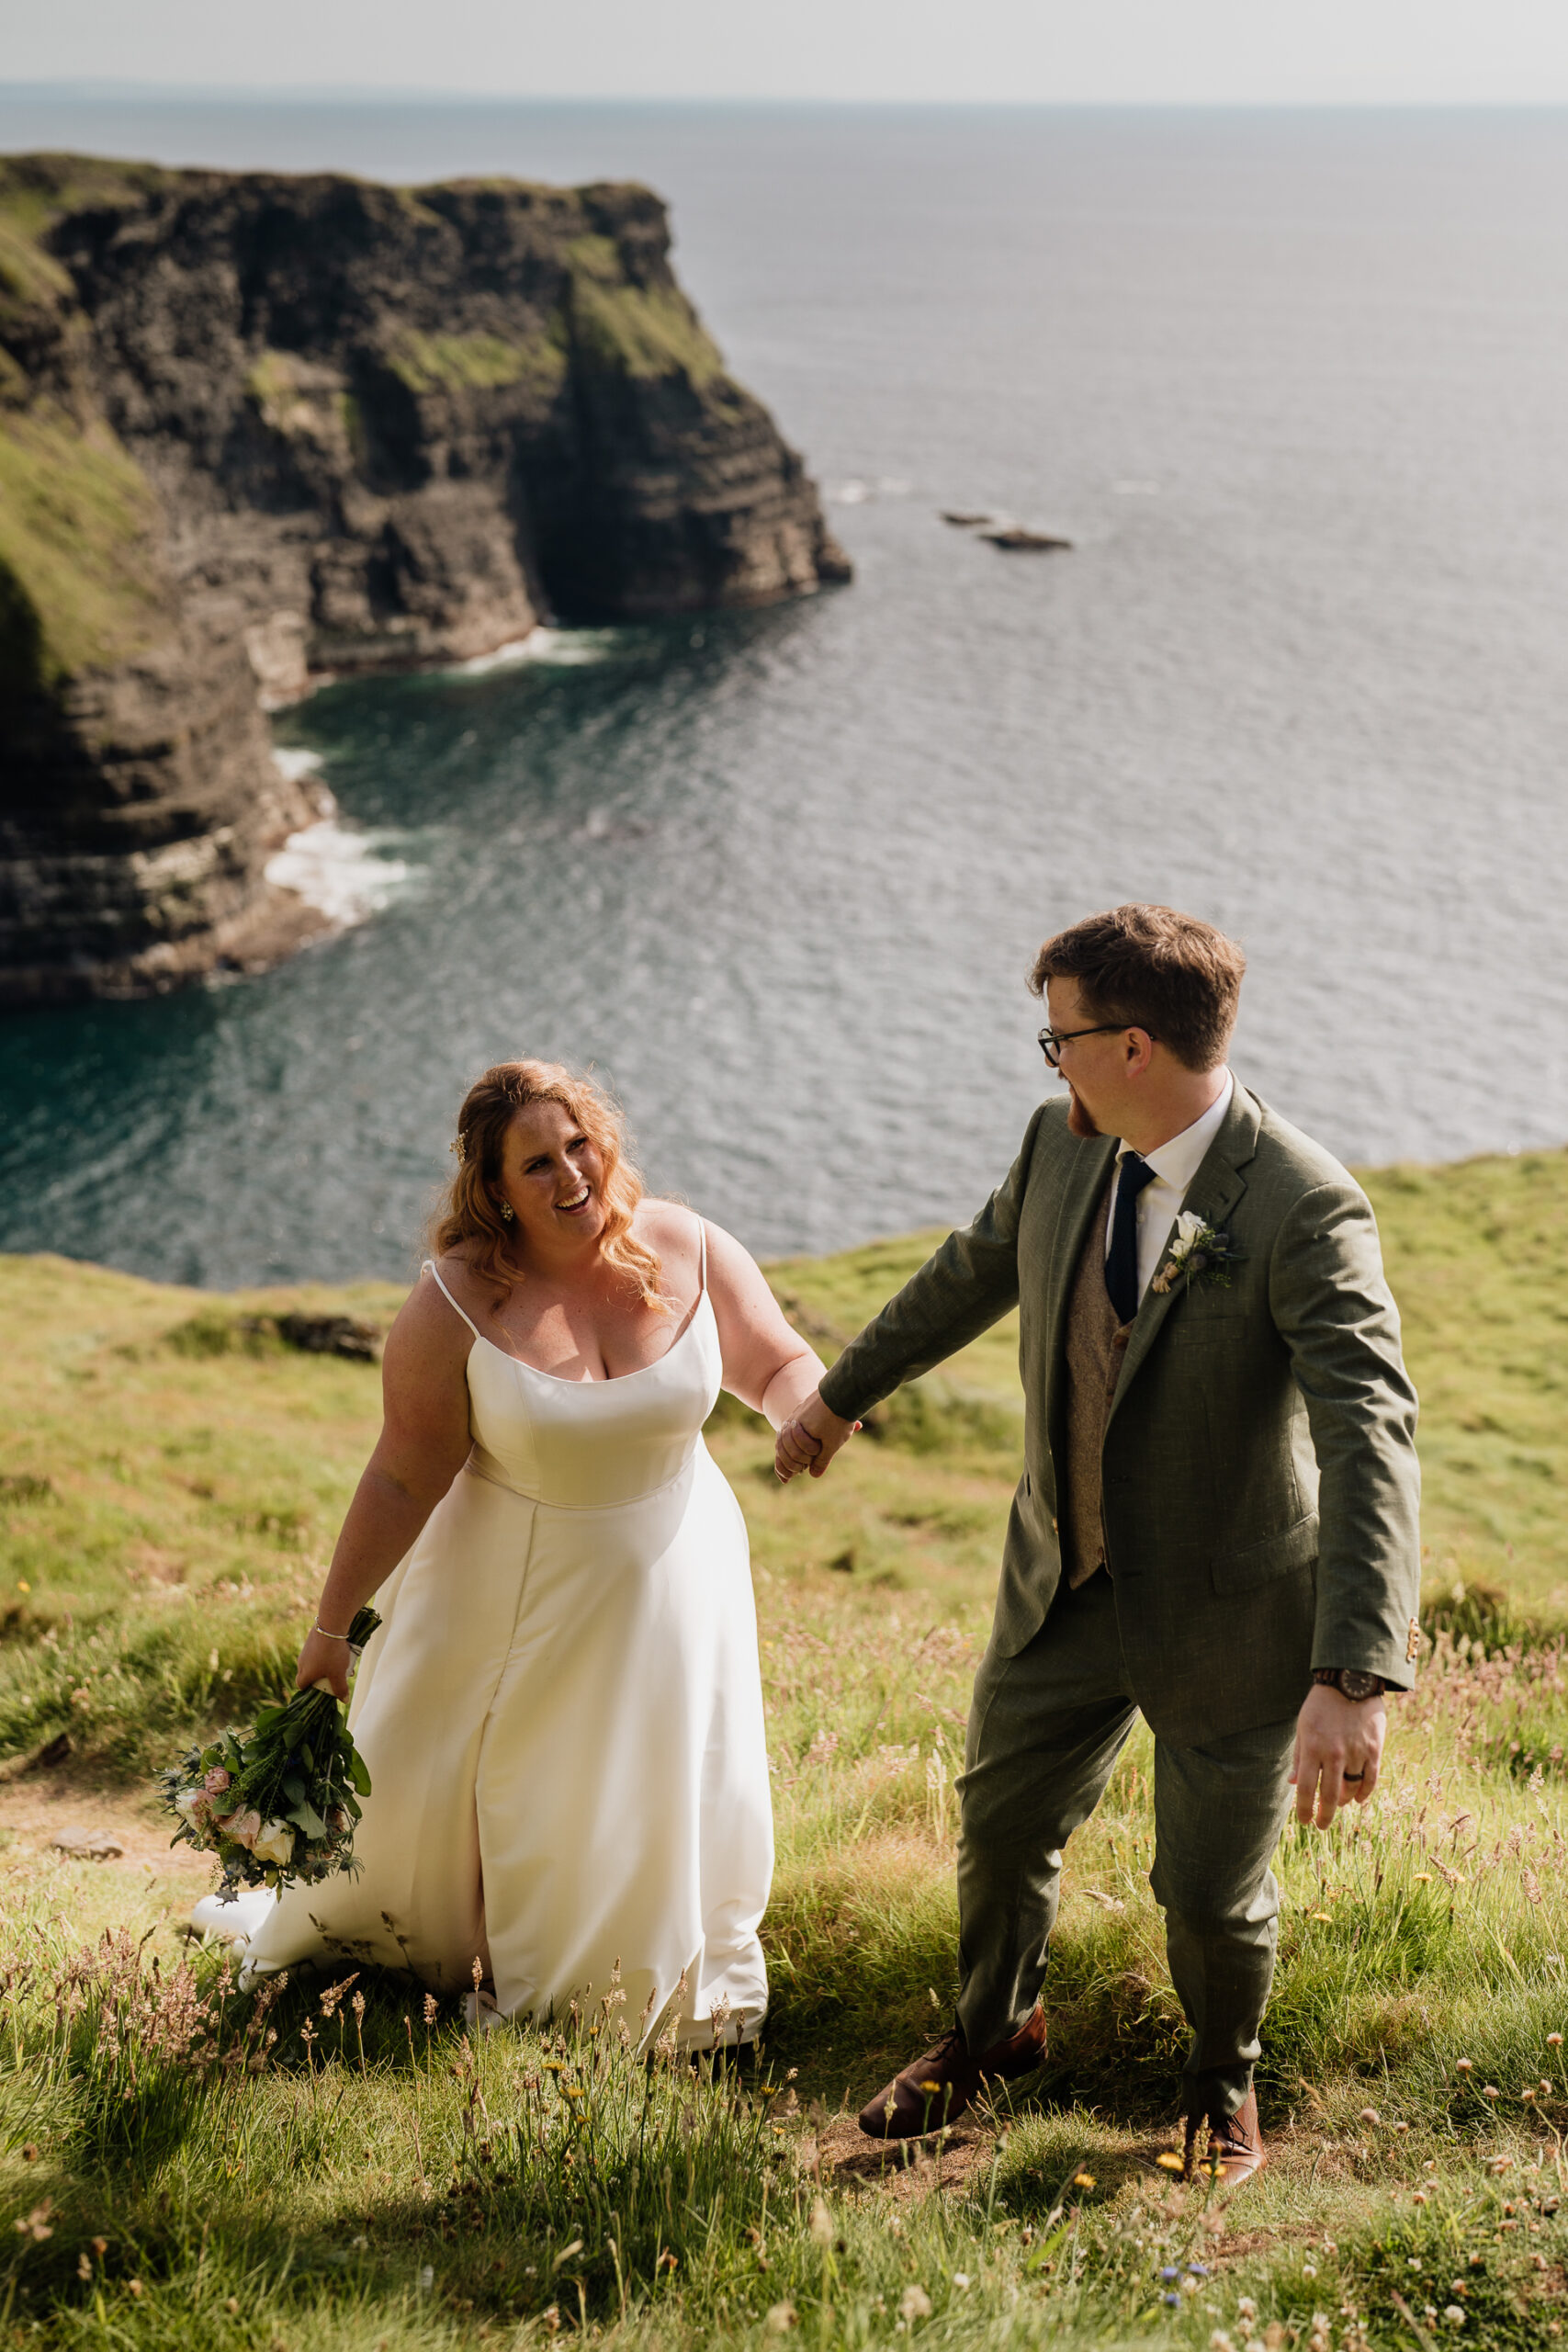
(1177, 1162)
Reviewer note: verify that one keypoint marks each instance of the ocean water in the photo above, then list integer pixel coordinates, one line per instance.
(1295, 386)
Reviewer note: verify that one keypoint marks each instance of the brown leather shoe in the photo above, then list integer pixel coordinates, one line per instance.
(1236, 2146)
(942, 2082)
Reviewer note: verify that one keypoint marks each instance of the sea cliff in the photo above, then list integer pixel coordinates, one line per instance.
(254, 429)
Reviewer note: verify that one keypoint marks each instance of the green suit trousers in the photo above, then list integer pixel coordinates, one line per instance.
(1046, 1728)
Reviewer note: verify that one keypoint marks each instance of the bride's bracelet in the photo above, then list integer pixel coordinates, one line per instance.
(331, 1637)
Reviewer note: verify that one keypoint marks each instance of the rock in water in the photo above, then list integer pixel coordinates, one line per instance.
(253, 428)
(1016, 540)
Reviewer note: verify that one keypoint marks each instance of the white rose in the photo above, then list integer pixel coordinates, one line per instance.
(275, 1843)
(1189, 1226)
(188, 1799)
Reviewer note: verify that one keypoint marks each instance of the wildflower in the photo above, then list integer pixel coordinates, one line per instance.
(232, 2303)
(1168, 2161)
(821, 2224)
(914, 2303)
(1423, 1878)
(1371, 2115)
(83, 2267)
(1554, 2041)
(36, 2223)
(133, 2286)
(961, 2278)
(781, 2318)
(1490, 2090)
(1083, 2180)
(1452, 2316)
(1246, 2307)
(1220, 2342)
(1467, 2066)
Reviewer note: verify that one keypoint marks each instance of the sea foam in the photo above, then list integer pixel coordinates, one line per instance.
(339, 871)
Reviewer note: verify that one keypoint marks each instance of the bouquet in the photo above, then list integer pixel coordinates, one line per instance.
(280, 1806)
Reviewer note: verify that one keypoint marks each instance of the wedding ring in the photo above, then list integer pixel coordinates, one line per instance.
(1355, 1776)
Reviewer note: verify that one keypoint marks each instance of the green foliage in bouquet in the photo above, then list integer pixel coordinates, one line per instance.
(281, 1806)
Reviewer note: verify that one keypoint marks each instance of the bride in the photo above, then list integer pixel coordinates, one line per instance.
(562, 1712)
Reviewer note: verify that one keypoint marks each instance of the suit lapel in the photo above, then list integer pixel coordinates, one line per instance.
(1212, 1194)
(1081, 1193)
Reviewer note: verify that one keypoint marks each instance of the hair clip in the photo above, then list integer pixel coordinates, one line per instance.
(458, 1146)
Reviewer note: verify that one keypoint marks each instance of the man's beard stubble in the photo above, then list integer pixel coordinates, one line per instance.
(1079, 1123)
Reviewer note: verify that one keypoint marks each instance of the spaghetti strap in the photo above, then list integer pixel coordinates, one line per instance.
(702, 1257)
(429, 1267)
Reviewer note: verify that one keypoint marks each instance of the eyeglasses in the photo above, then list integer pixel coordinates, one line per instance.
(1051, 1041)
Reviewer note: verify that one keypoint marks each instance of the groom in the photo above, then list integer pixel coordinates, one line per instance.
(1216, 1524)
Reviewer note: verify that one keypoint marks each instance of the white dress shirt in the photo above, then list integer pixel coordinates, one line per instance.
(1160, 1203)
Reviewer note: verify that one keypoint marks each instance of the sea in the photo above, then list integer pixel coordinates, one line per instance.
(1293, 384)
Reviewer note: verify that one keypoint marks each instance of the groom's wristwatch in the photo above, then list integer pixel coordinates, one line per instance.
(1349, 1682)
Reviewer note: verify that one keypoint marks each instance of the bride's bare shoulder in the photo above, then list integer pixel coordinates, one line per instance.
(672, 1232)
(432, 1317)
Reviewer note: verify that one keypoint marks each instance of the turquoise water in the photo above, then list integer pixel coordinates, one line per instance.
(1293, 384)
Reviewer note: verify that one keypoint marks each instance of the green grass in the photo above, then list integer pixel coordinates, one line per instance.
(170, 1482)
(644, 331)
(428, 363)
(78, 579)
(79, 586)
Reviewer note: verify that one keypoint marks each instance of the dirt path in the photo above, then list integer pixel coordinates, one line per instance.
(45, 1807)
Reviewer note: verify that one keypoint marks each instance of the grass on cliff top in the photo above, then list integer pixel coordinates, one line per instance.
(170, 1483)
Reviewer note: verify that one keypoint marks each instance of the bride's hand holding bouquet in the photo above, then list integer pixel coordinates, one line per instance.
(280, 1806)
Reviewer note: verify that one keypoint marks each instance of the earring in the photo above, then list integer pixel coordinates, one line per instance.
(506, 1211)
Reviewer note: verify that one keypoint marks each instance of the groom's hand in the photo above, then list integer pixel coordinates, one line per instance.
(810, 1440)
(1339, 1752)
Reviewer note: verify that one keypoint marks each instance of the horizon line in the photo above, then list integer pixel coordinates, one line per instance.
(98, 90)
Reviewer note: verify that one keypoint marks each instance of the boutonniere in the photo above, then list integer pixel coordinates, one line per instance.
(1197, 1254)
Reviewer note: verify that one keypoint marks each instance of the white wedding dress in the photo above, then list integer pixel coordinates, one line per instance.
(562, 1719)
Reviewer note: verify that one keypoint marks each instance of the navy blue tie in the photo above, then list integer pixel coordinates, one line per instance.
(1121, 1263)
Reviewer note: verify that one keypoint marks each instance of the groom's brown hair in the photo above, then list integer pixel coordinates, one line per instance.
(1155, 969)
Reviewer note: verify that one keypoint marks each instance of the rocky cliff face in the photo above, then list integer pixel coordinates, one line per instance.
(254, 429)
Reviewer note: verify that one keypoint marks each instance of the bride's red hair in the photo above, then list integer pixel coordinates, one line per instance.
(469, 1223)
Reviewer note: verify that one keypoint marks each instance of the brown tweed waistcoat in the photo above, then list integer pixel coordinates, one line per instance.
(1096, 1345)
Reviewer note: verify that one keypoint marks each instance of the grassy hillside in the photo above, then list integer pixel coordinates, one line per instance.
(171, 1478)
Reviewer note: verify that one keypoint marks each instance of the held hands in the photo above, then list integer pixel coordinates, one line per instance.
(1339, 1752)
(810, 1441)
(323, 1660)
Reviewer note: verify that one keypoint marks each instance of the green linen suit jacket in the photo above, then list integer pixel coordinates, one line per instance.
(1260, 1486)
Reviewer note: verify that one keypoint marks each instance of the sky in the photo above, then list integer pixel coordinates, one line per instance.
(1126, 52)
